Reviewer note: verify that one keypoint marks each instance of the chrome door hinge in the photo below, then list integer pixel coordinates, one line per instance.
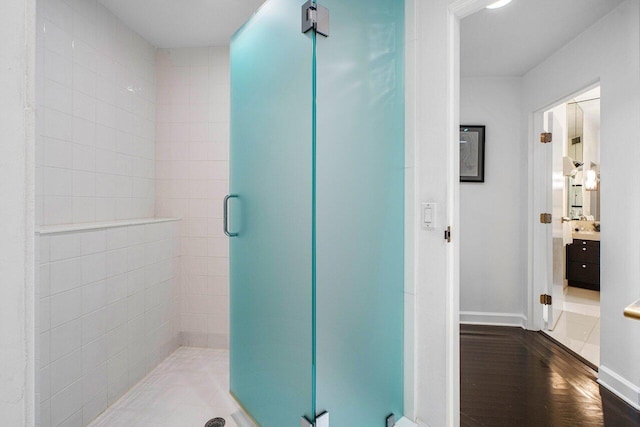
(546, 137)
(545, 299)
(391, 420)
(447, 234)
(322, 420)
(315, 17)
(546, 218)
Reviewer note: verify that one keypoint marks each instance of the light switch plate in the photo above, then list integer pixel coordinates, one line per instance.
(428, 215)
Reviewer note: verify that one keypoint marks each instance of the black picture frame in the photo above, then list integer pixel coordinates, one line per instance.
(472, 142)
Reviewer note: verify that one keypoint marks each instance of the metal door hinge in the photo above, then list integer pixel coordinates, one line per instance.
(545, 299)
(315, 17)
(447, 234)
(546, 218)
(322, 420)
(391, 420)
(546, 137)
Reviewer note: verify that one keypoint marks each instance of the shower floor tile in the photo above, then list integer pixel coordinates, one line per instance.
(186, 390)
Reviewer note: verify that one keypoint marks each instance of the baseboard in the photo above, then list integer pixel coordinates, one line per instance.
(619, 386)
(493, 319)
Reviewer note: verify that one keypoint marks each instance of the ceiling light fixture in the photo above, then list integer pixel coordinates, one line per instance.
(498, 4)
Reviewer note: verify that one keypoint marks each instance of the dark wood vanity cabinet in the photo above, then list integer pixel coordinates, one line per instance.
(583, 264)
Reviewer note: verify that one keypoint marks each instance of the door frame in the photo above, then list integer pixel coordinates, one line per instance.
(537, 198)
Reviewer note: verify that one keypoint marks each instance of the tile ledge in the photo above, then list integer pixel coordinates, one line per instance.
(67, 228)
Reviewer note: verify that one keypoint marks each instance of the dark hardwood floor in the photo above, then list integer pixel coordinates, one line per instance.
(512, 377)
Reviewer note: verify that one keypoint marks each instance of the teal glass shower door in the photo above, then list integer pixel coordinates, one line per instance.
(360, 213)
(271, 256)
(317, 215)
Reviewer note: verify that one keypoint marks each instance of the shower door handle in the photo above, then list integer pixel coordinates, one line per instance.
(225, 214)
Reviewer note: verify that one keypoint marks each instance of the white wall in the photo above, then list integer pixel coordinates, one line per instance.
(608, 51)
(17, 32)
(492, 237)
(96, 116)
(433, 296)
(108, 316)
(192, 171)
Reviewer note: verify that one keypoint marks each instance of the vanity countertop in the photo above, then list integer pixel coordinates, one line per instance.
(633, 311)
(586, 235)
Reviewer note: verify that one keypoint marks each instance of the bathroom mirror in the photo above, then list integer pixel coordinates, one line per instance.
(575, 123)
(582, 148)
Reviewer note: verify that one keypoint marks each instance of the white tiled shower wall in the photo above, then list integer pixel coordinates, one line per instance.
(192, 178)
(108, 315)
(95, 116)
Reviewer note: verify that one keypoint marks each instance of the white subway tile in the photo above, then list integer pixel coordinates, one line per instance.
(45, 413)
(66, 306)
(116, 262)
(95, 407)
(66, 338)
(64, 246)
(84, 159)
(135, 281)
(75, 420)
(57, 124)
(44, 282)
(116, 288)
(93, 242)
(84, 132)
(116, 314)
(66, 371)
(94, 297)
(94, 267)
(58, 68)
(84, 209)
(105, 209)
(66, 403)
(84, 184)
(94, 325)
(45, 383)
(94, 354)
(57, 153)
(44, 314)
(64, 275)
(94, 383)
(117, 238)
(44, 347)
(57, 210)
(117, 340)
(57, 181)
(84, 106)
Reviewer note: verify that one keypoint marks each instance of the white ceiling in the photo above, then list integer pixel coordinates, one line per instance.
(512, 40)
(184, 23)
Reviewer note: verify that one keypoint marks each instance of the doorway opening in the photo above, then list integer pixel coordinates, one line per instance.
(573, 319)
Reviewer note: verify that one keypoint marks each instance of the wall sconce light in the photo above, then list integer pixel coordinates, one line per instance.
(591, 180)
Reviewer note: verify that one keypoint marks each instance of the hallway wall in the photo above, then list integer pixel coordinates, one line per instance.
(192, 178)
(493, 238)
(609, 51)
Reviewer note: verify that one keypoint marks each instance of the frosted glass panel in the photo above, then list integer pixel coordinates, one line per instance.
(271, 158)
(360, 212)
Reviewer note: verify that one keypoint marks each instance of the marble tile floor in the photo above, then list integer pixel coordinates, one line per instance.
(187, 389)
(580, 333)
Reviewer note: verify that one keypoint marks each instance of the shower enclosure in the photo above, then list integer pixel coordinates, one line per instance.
(316, 213)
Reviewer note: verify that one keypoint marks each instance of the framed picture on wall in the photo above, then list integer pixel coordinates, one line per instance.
(471, 153)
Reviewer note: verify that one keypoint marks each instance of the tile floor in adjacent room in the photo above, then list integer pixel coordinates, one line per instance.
(579, 325)
(187, 389)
